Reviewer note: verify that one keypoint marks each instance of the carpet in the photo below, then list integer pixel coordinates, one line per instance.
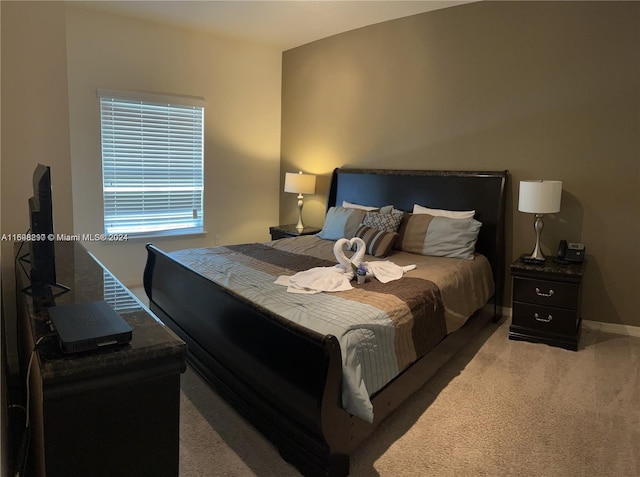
(498, 408)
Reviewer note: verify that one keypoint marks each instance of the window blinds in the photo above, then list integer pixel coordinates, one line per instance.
(116, 295)
(152, 163)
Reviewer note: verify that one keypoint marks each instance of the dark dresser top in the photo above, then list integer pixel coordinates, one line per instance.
(88, 281)
(550, 268)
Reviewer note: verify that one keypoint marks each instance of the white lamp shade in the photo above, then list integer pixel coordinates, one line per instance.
(299, 183)
(540, 197)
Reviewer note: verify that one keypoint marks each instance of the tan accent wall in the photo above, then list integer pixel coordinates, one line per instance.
(547, 90)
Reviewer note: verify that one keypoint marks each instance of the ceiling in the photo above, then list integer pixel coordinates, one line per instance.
(274, 23)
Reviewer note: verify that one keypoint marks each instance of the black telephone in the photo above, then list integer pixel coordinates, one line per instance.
(569, 252)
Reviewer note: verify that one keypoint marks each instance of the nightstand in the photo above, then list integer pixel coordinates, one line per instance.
(546, 303)
(290, 230)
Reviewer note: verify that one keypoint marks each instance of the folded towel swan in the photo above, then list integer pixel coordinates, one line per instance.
(338, 278)
(349, 263)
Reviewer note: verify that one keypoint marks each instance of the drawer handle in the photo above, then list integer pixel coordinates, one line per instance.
(539, 293)
(544, 320)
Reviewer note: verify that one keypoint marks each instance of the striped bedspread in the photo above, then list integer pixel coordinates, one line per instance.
(382, 328)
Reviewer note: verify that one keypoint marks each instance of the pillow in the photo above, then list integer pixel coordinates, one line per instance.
(341, 223)
(452, 214)
(377, 242)
(349, 205)
(384, 222)
(383, 210)
(425, 234)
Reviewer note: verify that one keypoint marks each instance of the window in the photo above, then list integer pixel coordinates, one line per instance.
(152, 163)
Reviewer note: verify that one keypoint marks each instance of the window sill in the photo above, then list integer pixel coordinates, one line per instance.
(169, 234)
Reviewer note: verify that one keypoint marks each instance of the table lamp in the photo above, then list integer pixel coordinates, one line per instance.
(299, 184)
(539, 197)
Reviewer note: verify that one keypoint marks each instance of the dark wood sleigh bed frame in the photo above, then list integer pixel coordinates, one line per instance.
(286, 379)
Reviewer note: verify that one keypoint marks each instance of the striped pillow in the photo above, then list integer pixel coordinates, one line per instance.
(425, 234)
(377, 242)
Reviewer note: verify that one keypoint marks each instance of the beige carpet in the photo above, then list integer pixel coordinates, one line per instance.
(500, 408)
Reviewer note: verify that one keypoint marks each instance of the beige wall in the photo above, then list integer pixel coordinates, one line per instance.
(54, 58)
(34, 103)
(547, 90)
(35, 108)
(241, 85)
(35, 128)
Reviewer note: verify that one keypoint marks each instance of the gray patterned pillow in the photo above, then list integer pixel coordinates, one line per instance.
(385, 222)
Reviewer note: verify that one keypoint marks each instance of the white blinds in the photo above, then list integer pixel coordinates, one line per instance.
(152, 163)
(116, 295)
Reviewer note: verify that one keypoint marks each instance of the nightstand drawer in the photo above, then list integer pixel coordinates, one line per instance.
(544, 318)
(545, 292)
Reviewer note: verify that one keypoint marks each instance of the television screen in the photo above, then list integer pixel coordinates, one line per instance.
(42, 248)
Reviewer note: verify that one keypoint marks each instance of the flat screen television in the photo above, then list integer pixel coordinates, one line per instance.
(42, 244)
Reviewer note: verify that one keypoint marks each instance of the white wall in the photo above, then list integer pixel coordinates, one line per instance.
(241, 83)
(35, 128)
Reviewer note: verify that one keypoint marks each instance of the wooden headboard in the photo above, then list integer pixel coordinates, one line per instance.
(482, 191)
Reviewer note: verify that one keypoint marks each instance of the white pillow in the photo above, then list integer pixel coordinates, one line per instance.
(349, 205)
(451, 214)
(383, 210)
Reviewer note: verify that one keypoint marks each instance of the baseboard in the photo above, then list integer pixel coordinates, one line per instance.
(613, 328)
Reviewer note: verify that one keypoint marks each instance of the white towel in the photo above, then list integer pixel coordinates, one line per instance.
(386, 271)
(316, 280)
(338, 251)
(346, 263)
(333, 279)
(338, 278)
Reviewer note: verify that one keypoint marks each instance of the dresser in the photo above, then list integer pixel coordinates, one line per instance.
(546, 303)
(107, 412)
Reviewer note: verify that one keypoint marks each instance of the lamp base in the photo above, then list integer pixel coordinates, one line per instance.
(536, 256)
(300, 225)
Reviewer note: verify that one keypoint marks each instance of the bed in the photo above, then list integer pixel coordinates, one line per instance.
(283, 361)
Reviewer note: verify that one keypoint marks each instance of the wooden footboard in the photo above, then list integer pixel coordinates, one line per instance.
(284, 378)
